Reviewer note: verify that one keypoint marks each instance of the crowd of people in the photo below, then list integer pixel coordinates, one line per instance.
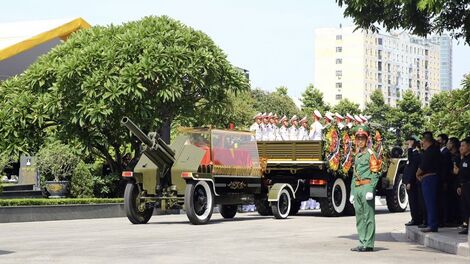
(437, 178)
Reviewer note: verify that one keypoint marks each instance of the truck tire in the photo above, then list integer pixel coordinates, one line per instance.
(136, 211)
(198, 202)
(228, 211)
(282, 207)
(263, 207)
(335, 202)
(295, 207)
(397, 198)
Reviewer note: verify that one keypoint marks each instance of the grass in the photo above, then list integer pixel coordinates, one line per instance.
(62, 201)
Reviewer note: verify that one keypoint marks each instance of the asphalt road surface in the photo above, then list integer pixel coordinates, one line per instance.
(249, 238)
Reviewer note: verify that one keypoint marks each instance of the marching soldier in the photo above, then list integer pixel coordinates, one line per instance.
(256, 127)
(316, 129)
(284, 130)
(339, 121)
(349, 121)
(294, 130)
(366, 176)
(303, 130)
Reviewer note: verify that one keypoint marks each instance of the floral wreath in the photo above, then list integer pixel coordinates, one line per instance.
(332, 148)
(347, 155)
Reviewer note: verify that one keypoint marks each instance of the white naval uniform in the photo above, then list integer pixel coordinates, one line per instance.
(258, 132)
(283, 133)
(316, 131)
(303, 134)
(350, 125)
(293, 133)
(341, 125)
(275, 132)
(267, 130)
(271, 133)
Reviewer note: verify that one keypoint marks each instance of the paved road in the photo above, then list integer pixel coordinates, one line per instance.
(249, 238)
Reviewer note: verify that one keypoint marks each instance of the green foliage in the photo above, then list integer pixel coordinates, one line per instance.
(377, 108)
(277, 102)
(450, 112)
(154, 71)
(421, 17)
(65, 201)
(407, 117)
(81, 181)
(312, 98)
(56, 161)
(106, 185)
(345, 106)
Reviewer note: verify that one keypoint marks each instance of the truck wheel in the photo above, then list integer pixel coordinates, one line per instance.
(295, 207)
(281, 208)
(136, 210)
(228, 211)
(397, 198)
(335, 202)
(198, 202)
(263, 207)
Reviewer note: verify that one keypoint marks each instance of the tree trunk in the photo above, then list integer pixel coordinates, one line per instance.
(165, 130)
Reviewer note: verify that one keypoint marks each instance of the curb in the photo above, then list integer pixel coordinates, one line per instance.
(439, 241)
(66, 212)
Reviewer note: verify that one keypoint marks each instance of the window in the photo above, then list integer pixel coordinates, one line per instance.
(339, 49)
(339, 61)
(426, 52)
(379, 41)
(379, 77)
(409, 83)
(339, 37)
(388, 67)
(339, 85)
(339, 96)
(379, 52)
(379, 66)
(379, 87)
(339, 73)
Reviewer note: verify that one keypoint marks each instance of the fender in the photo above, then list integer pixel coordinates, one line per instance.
(189, 176)
(275, 191)
(393, 169)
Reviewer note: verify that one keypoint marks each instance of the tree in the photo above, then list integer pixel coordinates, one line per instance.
(450, 111)
(407, 118)
(345, 106)
(154, 71)
(377, 108)
(277, 102)
(312, 98)
(421, 17)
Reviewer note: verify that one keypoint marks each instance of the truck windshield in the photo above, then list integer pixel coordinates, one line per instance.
(234, 149)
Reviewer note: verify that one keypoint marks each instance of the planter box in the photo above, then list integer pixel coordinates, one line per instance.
(65, 212)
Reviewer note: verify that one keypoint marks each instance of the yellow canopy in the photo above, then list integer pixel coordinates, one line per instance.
(62, 32)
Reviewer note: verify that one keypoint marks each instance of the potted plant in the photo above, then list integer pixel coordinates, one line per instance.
(56, 163)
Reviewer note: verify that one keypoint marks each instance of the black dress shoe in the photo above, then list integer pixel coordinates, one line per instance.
(367, 249)
(411, 223)
(428, 229)
(464, 232)
(422, 226)
(357, 249)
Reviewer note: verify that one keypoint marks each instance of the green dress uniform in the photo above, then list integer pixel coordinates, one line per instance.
(365, 179)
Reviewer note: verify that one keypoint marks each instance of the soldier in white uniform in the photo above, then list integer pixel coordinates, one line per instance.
(267, 130)
(294, 130)
(349, 120)
(272, 127)
(276, 126)
(316, 129)
(256, 127)
(328, 119)
(284, 130)
(303, 130)
(339, 121)
(358, 120)
(364, 119)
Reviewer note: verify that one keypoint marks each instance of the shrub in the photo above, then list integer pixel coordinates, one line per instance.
(36, 201)
(106, 185)
(82, 181)
(56, 161)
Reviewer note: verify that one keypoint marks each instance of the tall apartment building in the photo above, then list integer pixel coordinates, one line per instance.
(445, 44)
(353, 64)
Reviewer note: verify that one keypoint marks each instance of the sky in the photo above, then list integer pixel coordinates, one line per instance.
(273, 39)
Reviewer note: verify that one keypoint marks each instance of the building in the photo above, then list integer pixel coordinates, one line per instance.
(445, 43)
(352, 65)
(21, 43)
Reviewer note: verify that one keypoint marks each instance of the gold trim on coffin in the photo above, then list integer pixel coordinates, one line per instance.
(237, 170)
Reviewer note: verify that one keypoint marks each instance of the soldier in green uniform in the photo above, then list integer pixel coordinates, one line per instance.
(366, 176)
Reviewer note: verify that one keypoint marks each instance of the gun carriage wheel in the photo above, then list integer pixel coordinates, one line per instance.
(137, 211)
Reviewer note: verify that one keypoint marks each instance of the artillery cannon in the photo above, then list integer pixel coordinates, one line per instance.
(201, 168)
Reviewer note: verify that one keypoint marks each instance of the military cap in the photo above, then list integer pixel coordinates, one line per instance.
(329, 116)
(358, 119)
(364, 119)
(348, 115)
(294, 118)
(339, 116)
(303, 120)
(258, 115)
(362, 130)
(270, 114)
(317, 114)
(284, 118)
(275, 116)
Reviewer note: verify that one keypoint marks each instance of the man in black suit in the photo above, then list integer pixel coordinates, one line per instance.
(412, 185)
(445, 175)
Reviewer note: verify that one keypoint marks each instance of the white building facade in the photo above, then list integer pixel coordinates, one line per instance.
(353, 64)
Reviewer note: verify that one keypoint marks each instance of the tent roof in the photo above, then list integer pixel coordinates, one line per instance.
(17, 37)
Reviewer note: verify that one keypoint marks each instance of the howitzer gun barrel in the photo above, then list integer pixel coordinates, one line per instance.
(127, 122)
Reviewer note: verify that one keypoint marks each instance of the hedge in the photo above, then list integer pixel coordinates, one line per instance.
(70, 201)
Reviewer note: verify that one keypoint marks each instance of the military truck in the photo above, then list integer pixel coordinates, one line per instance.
(202, 168)
(301, 164)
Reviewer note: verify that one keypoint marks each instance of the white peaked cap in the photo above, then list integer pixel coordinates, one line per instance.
(363, 118)
(368, 117)
(264, 115)
(270, 114)
(303, 119)
(339, 116)
(329, 115)
(317, 114)
(275, 116)
(258, 115)
(358, 119)
(348, 115)
(294, 118)
(284, 118)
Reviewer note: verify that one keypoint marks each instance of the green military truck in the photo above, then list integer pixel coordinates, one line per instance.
(301, 165)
